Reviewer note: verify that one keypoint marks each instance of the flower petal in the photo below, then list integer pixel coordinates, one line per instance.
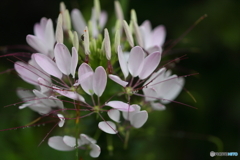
(118, 80)
(37, 44)
(57, 143)
(135, 60)
(158, 106)
(49, 36)
(58, 102)
(158, 35)
(47, 65)
(171, 88)
(96, 150)
(114, 114)
(120, 106)
(44, 99)
(99, 81)
(70, 141)
(108, 127)
(40, 108)
(139, 119)
(86, 84)
(85, 139)
(103, 19)
(122, 62)
(26, 72)
(69, 94)
(63, 58)
(150, 93)
(74, 61)
(62, 120)
(44, 85)
(128, 115)
(149, 64)
(78, 21)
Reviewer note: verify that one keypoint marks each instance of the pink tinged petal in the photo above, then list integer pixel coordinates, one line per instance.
(146, 30)
(103, 19)
(26, 73)
(139, 119)
(128, 115)
(74, 61)
(62, 120)
(114, 114)
(57, 143)
(85, 77)
(40, 108)
(69, 94)
(108, 127)
(150, 94)
(96, 150)
(44, 85)
(149, 64)
(135, 60)
(158, 35)
(118, 80)
(171, 88)
(40, 27)
(49, 36)
(120, 106)
(78, 21)
(24, 94)
(63, 58)
(158, 106)
(70, 141)
(85, 139)
(99, 81)
(38, 70)
(58, 102)
(24, 105)
(44, 99)
(87, 83)
(153, 49)
(37, 44)
(122, 62)
(47, 65)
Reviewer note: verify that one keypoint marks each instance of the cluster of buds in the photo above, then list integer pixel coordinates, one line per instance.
(84, 72)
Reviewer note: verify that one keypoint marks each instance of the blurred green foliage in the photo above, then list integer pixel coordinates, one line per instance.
(179, 132)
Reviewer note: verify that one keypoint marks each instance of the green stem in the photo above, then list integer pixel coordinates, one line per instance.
(126, 140)
(77, 130)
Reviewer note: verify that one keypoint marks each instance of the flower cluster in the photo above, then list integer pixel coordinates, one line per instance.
(95, 70)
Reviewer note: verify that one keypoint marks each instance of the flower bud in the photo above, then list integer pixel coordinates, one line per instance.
(117, 40)
(86, 41)
(137, 33)
(75, 40)
(59, 30)
(107, 44)
(128, 33)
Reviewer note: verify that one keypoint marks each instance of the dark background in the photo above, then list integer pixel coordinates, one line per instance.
(212, 48)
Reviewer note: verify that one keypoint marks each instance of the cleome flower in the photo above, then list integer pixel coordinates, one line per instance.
(65, 68)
